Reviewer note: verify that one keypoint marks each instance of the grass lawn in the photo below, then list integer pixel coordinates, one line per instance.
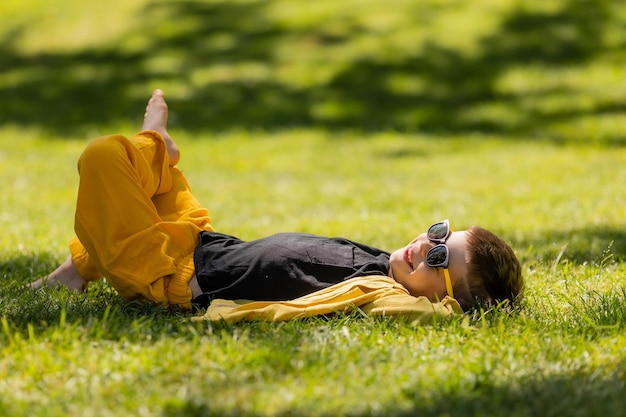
(297, 119)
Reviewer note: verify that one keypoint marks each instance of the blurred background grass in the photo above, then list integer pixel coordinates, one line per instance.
(516, 68)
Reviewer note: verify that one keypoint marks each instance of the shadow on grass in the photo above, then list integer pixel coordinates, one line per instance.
(66, 93)
(48, 306)
(581, 392)
(587, 245)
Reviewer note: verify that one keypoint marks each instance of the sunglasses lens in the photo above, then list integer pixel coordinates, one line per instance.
(437, 256)
(438, 231)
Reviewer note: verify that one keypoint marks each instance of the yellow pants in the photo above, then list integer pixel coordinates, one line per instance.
(136, 221)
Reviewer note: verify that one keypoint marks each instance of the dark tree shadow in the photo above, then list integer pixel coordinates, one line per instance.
(66, 93)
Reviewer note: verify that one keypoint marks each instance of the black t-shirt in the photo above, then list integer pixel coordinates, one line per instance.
(279, 267)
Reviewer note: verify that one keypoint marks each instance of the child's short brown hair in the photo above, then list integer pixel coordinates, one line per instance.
(494, 272)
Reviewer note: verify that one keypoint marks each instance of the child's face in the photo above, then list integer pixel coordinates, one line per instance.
(408, 266)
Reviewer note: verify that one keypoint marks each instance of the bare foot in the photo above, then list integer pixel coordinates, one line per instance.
(65, 275)
(155, 119)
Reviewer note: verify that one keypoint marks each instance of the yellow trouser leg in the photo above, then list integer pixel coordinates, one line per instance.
(136, 220)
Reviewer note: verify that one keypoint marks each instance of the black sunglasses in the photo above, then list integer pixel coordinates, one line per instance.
(439, 255)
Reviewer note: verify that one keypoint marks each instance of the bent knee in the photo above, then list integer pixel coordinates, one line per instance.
(104, 148)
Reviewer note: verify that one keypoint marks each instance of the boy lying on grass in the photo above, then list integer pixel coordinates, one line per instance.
(138, 225)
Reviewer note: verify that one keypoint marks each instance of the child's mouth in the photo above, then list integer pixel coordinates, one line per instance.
(407, 256)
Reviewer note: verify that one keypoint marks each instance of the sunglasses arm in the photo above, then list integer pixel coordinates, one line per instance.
(448, 282)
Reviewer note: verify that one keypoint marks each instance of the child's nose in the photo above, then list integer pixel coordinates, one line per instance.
(425, 246)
